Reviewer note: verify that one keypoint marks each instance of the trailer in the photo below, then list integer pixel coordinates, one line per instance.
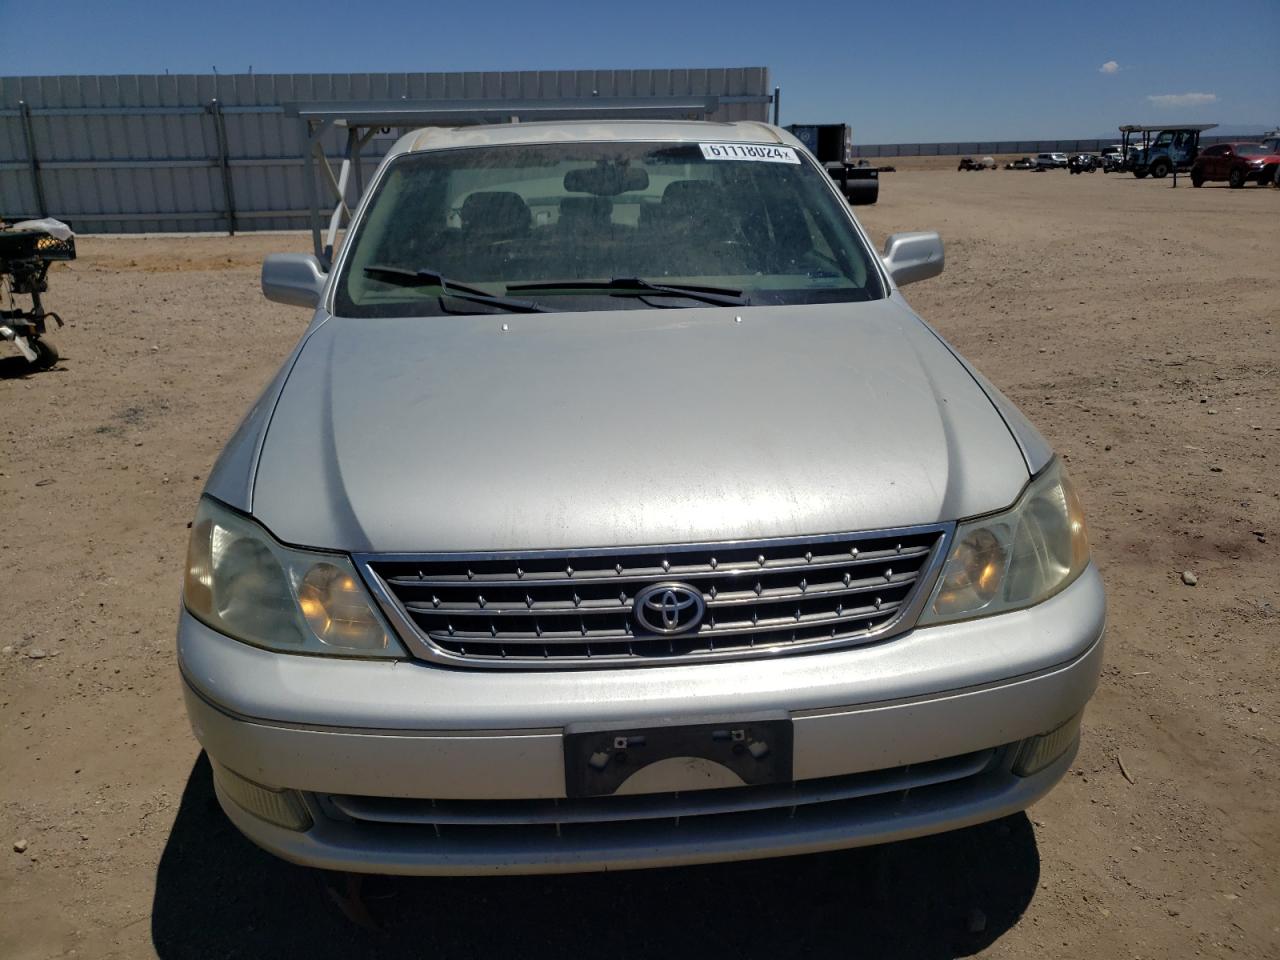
(832, 145)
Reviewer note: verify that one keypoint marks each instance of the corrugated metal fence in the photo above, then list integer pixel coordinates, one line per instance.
(976, 148)
(128, 154)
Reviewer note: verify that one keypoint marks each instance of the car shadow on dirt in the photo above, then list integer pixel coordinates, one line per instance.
(17, 367)
(217, 895)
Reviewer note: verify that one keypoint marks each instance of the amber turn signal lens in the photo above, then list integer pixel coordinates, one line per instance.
(337, 609)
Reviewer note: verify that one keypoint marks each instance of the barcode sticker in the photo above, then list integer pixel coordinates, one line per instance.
(759, 152)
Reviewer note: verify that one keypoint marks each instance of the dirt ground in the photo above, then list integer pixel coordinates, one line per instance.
(1138, 325)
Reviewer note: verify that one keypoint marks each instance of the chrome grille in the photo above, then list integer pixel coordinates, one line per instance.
(576, 608)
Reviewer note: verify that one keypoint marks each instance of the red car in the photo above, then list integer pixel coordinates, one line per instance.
(1236, 163)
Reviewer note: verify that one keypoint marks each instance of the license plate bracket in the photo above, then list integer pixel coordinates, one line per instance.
(598, 758)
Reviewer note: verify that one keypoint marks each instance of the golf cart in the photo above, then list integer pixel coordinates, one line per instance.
(1172, 148)
(26, 250)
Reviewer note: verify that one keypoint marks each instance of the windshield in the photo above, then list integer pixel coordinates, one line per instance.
(1251, 150)
(758, 223)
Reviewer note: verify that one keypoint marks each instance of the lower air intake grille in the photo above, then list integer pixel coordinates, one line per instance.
(595, 608)
(617, 811)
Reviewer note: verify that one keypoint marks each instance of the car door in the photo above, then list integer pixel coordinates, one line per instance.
(1211, 160)
(1223, 162)
(1180, 150)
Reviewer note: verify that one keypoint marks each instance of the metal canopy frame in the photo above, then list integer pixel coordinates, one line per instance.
(1157, 127)
(363, 119)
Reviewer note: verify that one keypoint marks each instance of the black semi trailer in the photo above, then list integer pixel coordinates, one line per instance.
(832, 144)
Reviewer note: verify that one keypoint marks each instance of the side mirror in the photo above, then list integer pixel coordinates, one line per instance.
(293, 278)
(913, 256)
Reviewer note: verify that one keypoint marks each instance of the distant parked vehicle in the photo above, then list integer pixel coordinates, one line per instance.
(1023, 163)
(1111, 158)
(1082, 163)
(1272, 141)
(1051, 161)
(1174, 148)
(968, 163)
(1237, 164)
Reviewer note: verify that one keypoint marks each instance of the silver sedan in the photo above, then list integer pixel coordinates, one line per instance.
(615, 510)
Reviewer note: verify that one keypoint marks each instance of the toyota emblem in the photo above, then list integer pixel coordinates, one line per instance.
(669, 608)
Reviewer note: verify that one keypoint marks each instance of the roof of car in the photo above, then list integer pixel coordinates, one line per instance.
(692, 131)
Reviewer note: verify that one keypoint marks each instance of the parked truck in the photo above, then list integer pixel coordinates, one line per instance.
(832, 145)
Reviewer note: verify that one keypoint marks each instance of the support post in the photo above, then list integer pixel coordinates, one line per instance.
(777, 105)
(228, 191)
(309, 136)
(359, 168)
(350, 155)
(33, 161)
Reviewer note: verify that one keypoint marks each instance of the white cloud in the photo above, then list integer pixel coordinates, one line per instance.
(1182, 99)
(1109, 67)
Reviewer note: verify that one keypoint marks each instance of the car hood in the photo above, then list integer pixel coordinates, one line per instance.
(544, 431)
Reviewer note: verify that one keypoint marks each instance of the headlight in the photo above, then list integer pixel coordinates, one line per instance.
(243, 583)
(1016, 558)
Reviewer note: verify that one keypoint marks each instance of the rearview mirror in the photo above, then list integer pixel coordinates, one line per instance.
(606, 179)
(913, 256)
(293, 278)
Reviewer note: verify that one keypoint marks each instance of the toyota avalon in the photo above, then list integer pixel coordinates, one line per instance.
(615, 510)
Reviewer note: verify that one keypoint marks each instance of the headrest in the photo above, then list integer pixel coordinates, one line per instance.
(496, 212)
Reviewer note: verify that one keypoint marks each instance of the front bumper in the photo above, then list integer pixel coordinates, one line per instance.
(405, 730)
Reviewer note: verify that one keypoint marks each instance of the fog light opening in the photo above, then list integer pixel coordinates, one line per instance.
(1036, 753)
(284, 808)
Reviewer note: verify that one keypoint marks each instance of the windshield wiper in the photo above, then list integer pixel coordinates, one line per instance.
(430, 278)
(639, 287)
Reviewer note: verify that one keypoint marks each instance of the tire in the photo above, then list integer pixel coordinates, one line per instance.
(46, 354)
(1196, 179)
(1160, 169)
(1139, 174)
(1268, 176)
(1235, 179)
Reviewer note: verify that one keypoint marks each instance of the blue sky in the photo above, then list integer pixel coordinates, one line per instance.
(917, 71)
